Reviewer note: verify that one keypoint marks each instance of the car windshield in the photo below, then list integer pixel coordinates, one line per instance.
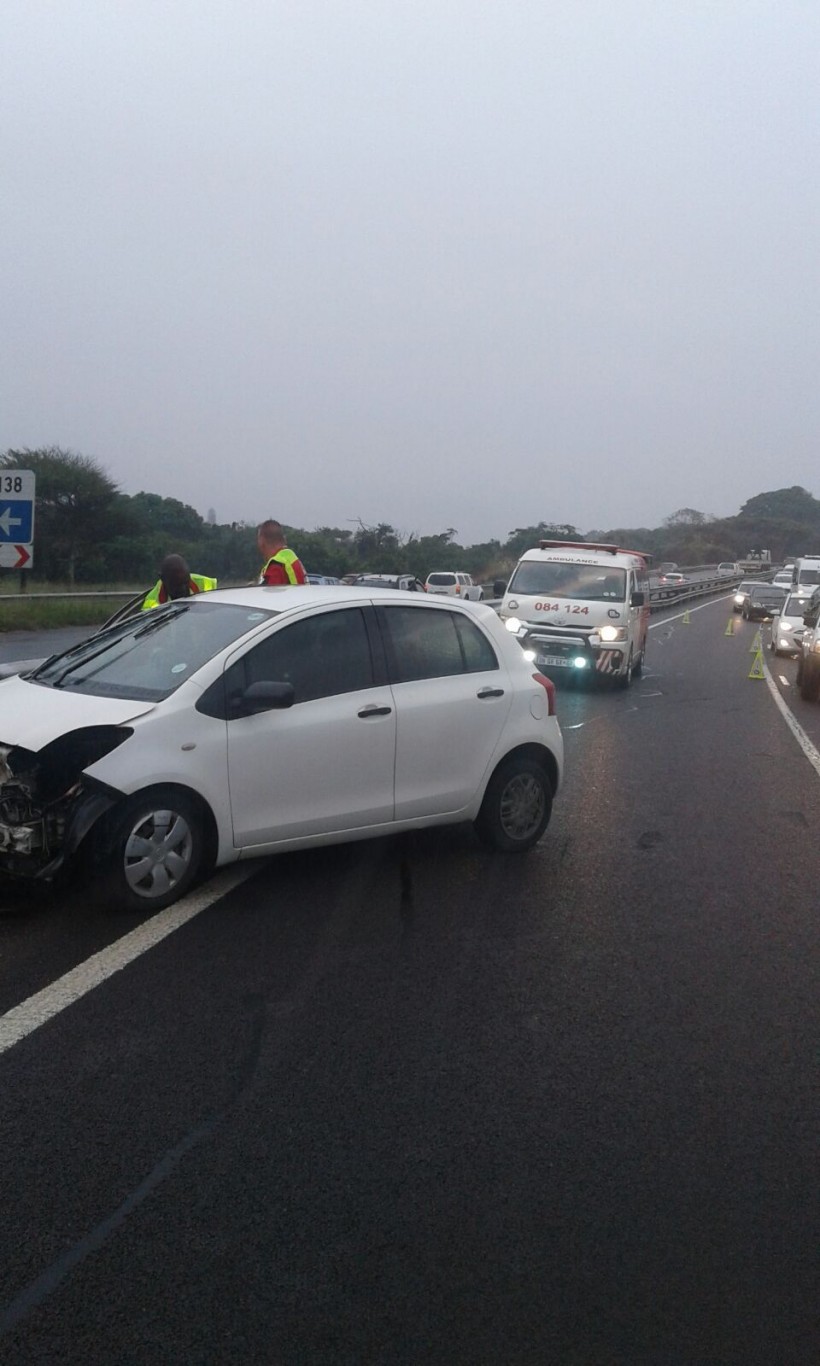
(795, 607)
(589, 583)
(811, 576)
(147, 657)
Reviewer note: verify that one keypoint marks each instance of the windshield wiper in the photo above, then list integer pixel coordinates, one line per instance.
(77, 664)
(158, 620)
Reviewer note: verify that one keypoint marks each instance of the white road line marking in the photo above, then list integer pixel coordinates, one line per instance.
(44, 1005)
(810, 751)
(712, 602)
(784, 680)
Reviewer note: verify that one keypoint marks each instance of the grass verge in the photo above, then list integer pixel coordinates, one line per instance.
(26, 613)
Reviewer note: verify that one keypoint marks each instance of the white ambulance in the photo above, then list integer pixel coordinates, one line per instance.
(581, 607)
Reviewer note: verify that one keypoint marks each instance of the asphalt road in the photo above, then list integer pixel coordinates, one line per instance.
(412, 1101)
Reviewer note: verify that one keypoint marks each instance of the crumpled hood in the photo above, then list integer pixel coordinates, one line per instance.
(32, 715)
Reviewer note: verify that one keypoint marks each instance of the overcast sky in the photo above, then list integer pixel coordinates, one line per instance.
(438, 263)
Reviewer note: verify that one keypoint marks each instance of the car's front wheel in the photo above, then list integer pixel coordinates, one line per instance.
(156, 849)
(624, 680)
(517, 806)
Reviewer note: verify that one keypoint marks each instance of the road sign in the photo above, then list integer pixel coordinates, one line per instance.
(17, 519)
(15, 556)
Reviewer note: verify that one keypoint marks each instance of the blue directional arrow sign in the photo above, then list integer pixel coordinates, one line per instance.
(16, 520)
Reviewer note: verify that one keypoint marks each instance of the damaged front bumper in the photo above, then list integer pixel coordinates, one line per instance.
(47, 804)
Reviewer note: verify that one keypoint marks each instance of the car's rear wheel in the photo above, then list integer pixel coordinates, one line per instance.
(810, 684)
(517, 806)
(156, 849)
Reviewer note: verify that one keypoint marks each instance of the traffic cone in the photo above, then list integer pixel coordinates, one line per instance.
(730, 629)
(685, 621)
(756, 645)
(756, 670)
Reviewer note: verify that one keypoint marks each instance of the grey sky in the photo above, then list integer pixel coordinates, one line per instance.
(468, 263)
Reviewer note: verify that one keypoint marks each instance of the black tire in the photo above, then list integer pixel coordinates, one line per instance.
(624, 680)
(810, 685)
(155, 850)
(517, 806)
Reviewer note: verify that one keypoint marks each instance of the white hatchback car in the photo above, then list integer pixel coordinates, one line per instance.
(788, 626)
(248, 721)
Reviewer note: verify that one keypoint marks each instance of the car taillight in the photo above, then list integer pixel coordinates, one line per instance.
(458, 588)
(549, 688)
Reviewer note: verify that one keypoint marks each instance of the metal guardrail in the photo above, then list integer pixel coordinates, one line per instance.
(98, 593)
(659, 596)
(662, 596)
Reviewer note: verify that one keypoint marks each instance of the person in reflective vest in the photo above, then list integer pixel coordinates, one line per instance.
(175, 581)
(280, 565)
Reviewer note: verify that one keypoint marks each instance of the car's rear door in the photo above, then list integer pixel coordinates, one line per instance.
(325, 764)
(452, 696)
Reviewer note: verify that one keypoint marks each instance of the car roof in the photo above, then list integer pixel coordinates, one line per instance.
(293, 597)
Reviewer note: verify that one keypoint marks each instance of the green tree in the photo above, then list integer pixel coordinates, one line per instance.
(527, 537)
(687, 517)
(75, 510)
(794, 504)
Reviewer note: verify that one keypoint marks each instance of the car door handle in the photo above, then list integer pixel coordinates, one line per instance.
(367, 712)
(490, 692)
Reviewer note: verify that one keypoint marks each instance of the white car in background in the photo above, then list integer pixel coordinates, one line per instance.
(455, 584)
(788, 626)
(248, 721)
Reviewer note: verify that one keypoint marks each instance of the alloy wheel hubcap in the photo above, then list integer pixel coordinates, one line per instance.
(522, 806)
(158, 853)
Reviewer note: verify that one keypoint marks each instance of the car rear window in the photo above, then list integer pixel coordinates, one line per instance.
(441, 580)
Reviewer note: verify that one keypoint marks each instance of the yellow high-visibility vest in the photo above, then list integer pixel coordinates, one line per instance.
(286, 558)
(197, 583)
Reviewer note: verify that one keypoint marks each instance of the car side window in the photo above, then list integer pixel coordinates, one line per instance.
(425, 643)
(320, 656)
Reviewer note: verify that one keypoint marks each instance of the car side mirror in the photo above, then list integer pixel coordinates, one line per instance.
(499, 588)
(638, 598)
(266, 696)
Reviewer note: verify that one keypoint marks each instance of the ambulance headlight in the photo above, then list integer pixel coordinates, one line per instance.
(513, 624)
(610, 633)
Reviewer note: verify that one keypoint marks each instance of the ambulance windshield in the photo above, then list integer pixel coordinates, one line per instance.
(580, 582)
